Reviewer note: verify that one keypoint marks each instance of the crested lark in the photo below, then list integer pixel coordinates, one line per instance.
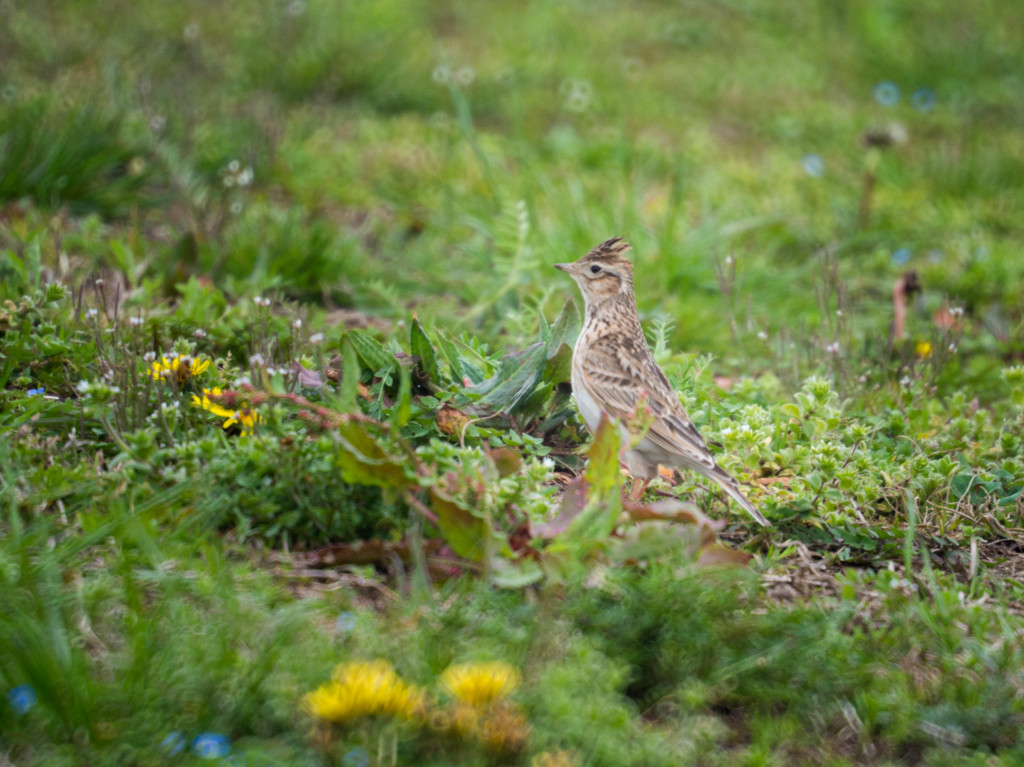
(613, 372)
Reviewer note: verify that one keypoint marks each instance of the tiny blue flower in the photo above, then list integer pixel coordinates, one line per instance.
(357, 757)
(923, 99)
(814, 166)
(173, 744)
(210, 745)
(346, 623)
(886, 93)
(901, 256)
(22, 698)
(36, 392)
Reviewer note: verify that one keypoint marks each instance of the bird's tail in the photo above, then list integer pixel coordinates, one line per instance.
(732, 487)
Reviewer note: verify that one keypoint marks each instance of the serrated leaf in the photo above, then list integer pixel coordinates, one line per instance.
(419, 344)
(373, 355)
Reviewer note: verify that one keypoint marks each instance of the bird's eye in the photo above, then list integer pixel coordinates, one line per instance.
(595, 269)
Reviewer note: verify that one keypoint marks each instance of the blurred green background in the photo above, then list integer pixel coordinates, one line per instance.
(443, 155)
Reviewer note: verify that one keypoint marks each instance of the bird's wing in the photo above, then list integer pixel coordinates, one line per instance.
(619, 373)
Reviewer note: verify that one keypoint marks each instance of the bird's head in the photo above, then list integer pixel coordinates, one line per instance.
(603, 273)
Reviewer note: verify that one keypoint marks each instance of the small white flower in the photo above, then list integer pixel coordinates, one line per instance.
(171, 355)
(115, 389)
(832, 348)
(229, 181)
(245, 177)
(905, 381)
(762, 335)
(957, 311)
(256, 359)
(236, 207)
(241, 381)
(92, 313)
(266, 302)
(199, 333)
(728, 260)
(135, 321)
(257, 300)
(297, 324)
(839, 312)
(441, 75)
(234, 166)
(149, 356)
(191, 32)
(952, 347)
(84, 387)
(157, 123)
(316, 338)
(465, 76)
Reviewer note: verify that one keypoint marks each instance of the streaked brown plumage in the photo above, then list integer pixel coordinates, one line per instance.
(613, 371)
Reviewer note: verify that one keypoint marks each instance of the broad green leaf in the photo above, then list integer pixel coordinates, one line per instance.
(368, 454)
(566, 327)
(515, 379)
(466, 533)
(559, 366)
(419, 344)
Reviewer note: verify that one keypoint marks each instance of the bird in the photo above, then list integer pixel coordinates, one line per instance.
(614, 373)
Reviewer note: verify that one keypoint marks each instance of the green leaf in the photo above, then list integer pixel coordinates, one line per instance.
(420, 345)
(452, 357)
(566, 327)
(515, 574)
(559, 366)
(368, 455)
(401, 412)
(349, 378)
(604, 496)
(516, 378)
(466, 533)
(373, 355)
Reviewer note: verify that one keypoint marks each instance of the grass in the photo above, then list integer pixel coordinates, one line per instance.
(350, 212)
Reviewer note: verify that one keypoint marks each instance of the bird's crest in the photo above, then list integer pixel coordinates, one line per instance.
(609, 252)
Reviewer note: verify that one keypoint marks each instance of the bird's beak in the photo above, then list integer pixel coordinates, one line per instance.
(564, 267)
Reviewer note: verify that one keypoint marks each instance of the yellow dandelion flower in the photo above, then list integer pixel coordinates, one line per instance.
(362, 689)
(480, 684)
(178, 369)
(923, 349)
(246, 418)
